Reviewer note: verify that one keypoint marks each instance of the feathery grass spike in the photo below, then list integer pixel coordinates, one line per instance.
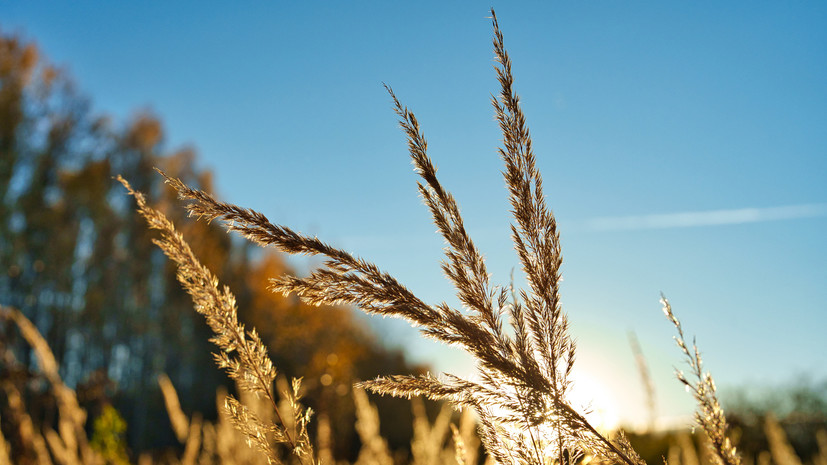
(243, 356)
(709, 415)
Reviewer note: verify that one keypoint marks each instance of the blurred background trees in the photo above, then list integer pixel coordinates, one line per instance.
(78, 262)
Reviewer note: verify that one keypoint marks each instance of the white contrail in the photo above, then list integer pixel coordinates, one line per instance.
(706, 218)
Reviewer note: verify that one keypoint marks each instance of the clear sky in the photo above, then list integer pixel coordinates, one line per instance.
(683, 147)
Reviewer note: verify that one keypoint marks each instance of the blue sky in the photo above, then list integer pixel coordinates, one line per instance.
(683, 148)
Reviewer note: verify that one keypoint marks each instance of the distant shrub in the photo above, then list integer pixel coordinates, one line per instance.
(109, 436)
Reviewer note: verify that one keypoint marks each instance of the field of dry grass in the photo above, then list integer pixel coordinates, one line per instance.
(516, 412)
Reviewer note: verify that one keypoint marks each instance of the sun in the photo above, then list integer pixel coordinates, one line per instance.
(589, 397)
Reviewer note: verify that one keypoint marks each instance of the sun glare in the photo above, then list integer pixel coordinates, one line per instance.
(591, 398)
